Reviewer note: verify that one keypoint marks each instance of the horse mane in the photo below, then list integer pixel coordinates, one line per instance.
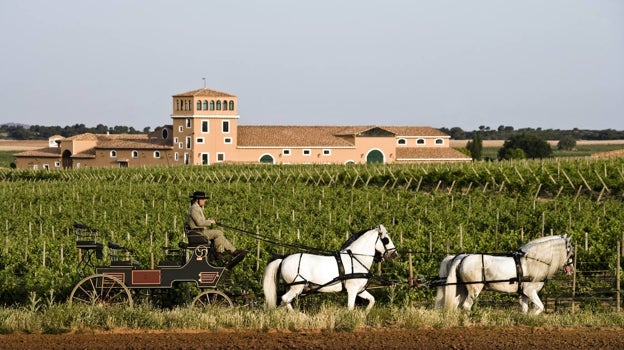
(353, 238)
(549, 252)
(538, 242)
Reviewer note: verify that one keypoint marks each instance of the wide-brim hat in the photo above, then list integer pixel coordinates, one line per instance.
(198, 195)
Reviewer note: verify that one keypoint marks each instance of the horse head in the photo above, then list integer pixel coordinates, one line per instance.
(384, 245)
(568, 268)
(547, 255)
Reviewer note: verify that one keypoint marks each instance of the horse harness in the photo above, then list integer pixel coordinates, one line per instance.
(342, 275)
(516, 255)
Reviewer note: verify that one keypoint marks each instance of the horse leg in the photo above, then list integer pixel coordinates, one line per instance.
(365, 295)
(538, 306)
(439, 300)
(292, 293)
(472, 292)
(524, 303)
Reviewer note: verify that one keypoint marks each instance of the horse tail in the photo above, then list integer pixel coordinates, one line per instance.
(442, 273)
(451, 299)
(269, 283)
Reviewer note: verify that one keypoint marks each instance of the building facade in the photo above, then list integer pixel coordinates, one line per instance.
(205, 131)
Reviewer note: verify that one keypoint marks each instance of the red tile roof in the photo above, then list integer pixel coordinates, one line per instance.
(203, 93)
(290, 136)
(318, 136)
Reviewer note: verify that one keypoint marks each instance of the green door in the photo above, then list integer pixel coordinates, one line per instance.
(374, 156)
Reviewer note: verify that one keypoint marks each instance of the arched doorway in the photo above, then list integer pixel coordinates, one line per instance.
(66, 161)
(267, 158)
(374, 157)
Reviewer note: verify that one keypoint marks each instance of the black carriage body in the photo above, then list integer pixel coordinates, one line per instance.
(196, 269)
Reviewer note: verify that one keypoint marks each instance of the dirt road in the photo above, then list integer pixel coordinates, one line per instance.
(451, 338)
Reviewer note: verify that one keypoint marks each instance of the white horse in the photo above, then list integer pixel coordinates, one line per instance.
(348, 269)
(445, 266)
(523, 272)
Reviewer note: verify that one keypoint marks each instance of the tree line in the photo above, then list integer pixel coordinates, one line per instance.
(506, 132)
(40, 132)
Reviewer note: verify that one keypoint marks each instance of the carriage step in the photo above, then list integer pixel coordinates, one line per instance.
(236, 259)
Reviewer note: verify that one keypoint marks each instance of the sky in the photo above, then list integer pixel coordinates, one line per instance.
(551, 64)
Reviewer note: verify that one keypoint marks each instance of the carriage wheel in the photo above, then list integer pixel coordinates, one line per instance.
(101, 290)
(212, 298)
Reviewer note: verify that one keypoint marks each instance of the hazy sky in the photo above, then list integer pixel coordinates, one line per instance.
(528, 63)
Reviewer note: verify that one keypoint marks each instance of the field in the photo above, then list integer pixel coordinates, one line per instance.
(425, 338)
(429, 209)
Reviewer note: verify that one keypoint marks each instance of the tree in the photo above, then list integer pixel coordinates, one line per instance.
(566, 143)
(475, 146)
(512, 153)
(532, 146)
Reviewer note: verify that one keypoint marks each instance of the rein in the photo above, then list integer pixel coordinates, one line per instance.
(271, 241)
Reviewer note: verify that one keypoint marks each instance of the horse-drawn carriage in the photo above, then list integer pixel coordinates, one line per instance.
(461, 277)
(113, 284)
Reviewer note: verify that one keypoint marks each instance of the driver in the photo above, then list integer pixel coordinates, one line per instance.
(198, 223)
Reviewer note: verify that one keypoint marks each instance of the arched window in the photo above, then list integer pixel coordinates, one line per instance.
(225, 105)
(231, 105)
(198, 105)
(401, 141)
(205, 105)
(135, 154)
(439, 141)
(113, 154)
(212, 106)
(420, 141)
(218, 105)
(267, 158)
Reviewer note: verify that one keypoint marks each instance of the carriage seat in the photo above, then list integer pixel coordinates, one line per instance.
(195, 238)
(87, 240)
(121, 256)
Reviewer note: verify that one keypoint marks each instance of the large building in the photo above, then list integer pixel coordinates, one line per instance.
(205, 131)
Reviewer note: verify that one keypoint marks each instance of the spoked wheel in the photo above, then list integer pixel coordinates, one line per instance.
(101, 290)
(212, 298)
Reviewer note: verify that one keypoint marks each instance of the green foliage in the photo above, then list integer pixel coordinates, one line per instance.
(475, 146)
(7, 159)
(566, 143)
(429, 209)
(532, 146)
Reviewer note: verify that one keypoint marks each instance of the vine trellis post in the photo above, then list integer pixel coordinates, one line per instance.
(617, 276)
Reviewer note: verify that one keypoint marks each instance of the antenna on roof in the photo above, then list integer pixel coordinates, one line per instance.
(204, 79)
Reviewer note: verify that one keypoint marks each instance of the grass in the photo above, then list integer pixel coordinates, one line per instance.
(584, 150)
(6, 158)
(65, 318)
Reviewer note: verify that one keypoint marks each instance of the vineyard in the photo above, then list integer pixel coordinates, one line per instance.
(430, 210)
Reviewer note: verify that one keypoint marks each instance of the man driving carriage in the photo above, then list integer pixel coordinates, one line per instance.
(198, 224)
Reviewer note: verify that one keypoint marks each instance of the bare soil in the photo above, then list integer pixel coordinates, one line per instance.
(446, 338)
(22, 145)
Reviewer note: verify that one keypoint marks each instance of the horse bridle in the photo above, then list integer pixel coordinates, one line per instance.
(385, 241)
(570, 250)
